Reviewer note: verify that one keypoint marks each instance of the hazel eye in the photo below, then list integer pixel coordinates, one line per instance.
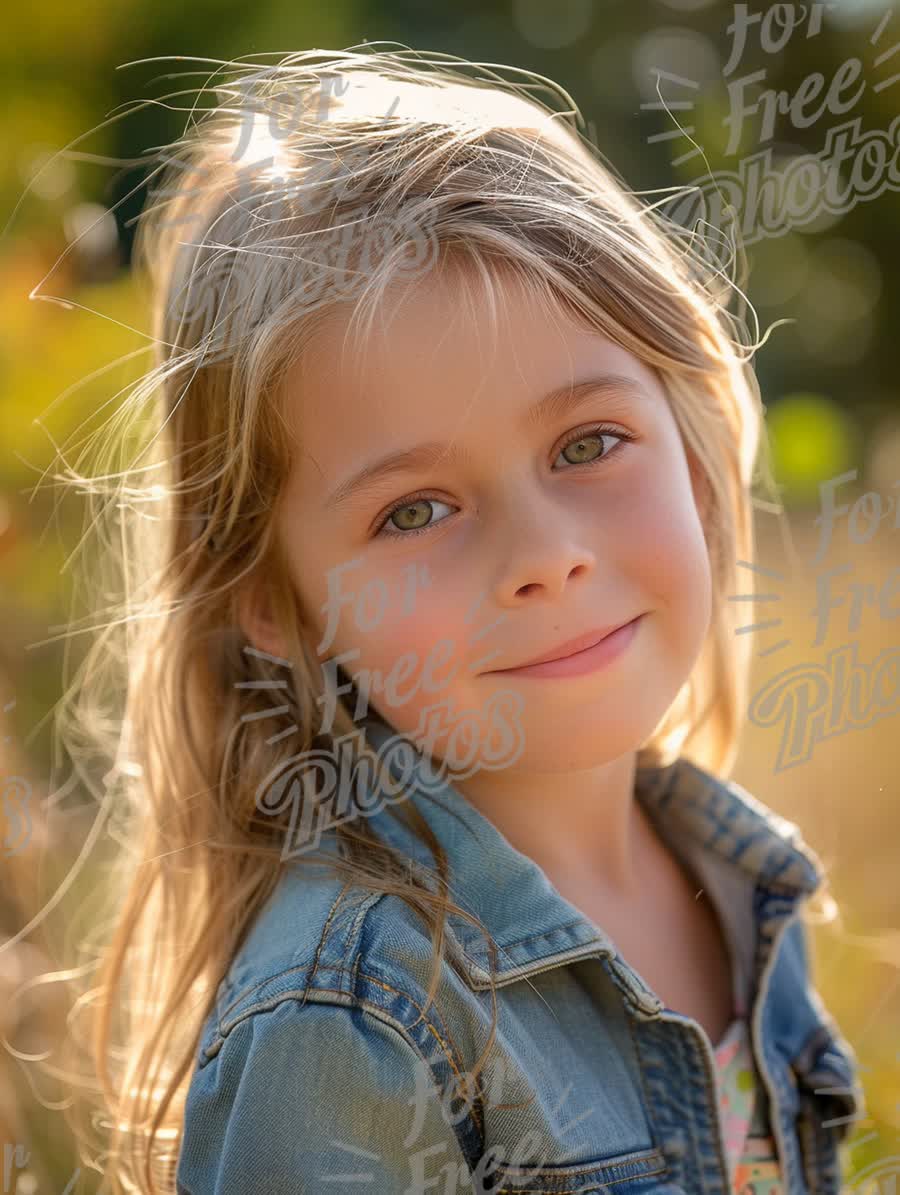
(412, 516)
(588, 448)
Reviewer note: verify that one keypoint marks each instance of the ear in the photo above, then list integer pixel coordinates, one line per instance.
(257, 620)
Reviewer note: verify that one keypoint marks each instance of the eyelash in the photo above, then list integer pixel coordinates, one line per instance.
(410, 499)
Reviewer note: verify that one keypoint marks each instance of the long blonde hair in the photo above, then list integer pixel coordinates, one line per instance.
(318, 180)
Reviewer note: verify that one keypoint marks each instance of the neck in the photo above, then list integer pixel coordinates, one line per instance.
(584, 824)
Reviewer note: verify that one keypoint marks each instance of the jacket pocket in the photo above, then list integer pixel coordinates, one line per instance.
(637, 1173)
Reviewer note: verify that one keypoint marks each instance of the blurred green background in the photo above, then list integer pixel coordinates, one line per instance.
(828, 378)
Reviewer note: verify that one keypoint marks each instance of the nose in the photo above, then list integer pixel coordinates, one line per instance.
(545, 578)
(538, 559)
(550, 586)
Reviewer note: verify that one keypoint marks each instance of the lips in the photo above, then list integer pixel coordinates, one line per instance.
(570, 648)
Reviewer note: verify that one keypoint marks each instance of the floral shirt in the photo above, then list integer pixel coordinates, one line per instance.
(752, 1157)
(743, 1101)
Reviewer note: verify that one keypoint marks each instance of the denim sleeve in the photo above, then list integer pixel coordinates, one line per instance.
(315, 1098)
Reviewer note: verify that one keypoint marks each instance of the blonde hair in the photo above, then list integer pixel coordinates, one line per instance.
(372, 166)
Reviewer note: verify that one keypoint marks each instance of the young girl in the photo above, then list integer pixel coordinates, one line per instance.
(437, 881)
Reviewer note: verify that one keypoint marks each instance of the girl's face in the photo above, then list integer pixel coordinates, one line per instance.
(543, 494)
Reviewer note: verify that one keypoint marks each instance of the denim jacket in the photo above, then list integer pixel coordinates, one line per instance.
(321, 1069)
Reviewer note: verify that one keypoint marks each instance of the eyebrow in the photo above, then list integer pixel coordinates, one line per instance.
(553, 405)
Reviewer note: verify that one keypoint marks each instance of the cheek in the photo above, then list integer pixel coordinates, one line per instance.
(419, 644)
(355, 604)
(663, 536)
(435, 632)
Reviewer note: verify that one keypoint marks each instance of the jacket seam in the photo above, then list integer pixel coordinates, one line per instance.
(373, 1009)
(368, 901)
(371, 964)
(252, 987)
(640, 1068)
(522, 941)
(591, 1172)
(382, 981)
(360, 1002)
(324, 934)
(315, 966)
(448, 1053)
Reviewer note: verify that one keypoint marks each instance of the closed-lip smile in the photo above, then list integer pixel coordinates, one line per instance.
(570, 648)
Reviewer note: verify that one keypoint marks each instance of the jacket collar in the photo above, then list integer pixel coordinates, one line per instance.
(533, 925)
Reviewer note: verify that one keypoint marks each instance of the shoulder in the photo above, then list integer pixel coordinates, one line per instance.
(320, 940)
(300, 1093)
(322, 1051)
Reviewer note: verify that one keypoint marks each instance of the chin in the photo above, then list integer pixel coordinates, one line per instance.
(553, 749)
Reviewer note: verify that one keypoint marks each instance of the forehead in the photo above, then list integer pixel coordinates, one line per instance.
(441, 350)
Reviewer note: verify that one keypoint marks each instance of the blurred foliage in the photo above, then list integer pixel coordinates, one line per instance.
(828, 375)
